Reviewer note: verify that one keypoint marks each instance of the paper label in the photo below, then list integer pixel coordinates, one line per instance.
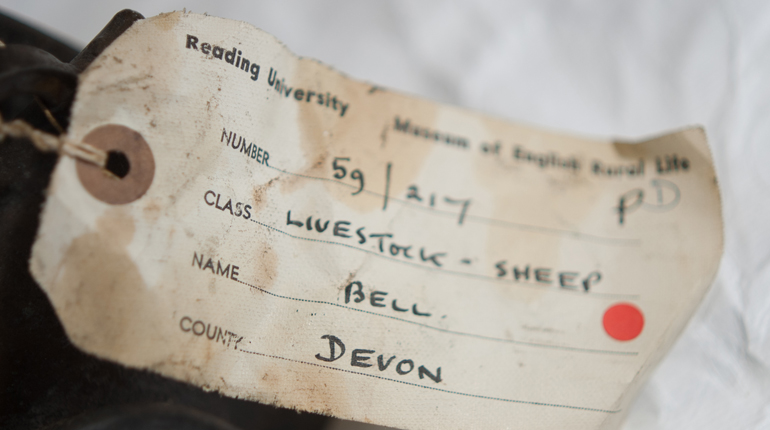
(302, 239)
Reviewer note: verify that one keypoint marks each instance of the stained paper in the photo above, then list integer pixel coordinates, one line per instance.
(292, 236)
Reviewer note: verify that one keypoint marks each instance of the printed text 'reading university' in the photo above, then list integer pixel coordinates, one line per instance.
(235, 57)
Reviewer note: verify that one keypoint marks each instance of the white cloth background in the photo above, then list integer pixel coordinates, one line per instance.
(600, 68)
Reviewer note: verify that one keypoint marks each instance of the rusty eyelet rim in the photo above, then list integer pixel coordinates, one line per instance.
(104, 185)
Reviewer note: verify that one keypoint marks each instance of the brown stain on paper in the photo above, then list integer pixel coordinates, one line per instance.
(263, 265)
(315, 390)
(106, 302)
(261, 195)
(167, 21)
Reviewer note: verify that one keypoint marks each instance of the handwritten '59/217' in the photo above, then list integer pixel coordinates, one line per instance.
(665, 193)
(413, 193)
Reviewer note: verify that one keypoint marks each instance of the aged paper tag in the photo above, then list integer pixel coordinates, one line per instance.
(286, 234)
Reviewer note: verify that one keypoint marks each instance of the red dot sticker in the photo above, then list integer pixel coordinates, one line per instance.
(623, 321)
